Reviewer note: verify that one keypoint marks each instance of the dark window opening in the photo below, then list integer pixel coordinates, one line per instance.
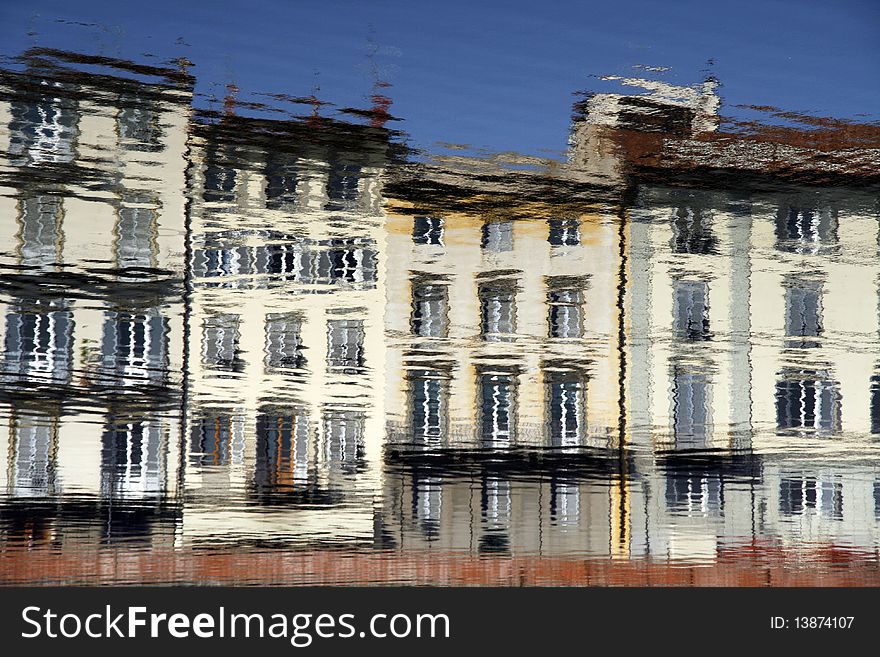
(805, 230)
(497, 236)
(345, 345)
(564, 232)
(497, 408)
(430, 310)
(497, 309)
(428, 230)
(808, 400)
(690, 310)
(692, 232)
(566, 413)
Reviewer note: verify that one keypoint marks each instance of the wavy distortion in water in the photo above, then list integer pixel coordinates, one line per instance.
(252, 350)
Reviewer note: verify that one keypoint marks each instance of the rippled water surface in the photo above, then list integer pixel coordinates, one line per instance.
(245, 346)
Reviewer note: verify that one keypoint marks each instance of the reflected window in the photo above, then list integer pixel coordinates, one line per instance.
(429, 406)
(220, 342)
(135, 237)
(565, 299)
(220, 262)
(345, 344)
(44, 131)
(428, 230)
(211, 440)
(289, 259)
(566, 407)
(690, 408)
(497, 309)
(805, 230)
(281, 183)
(430, 309)
(282, 449)
(565, 503)
(40, 235)
(427, 504)
(39, 341)
(692, 231)
(796, 495)
(808, 400)
(139, 128)
(495, 505)
(690, 310)
(132, 463)
(497, 236)
(344, 440)
(495, 502)
(497, 408)
(342, 186)
(135, 347)
(831, 499)
(344, 260)
(694, 493)
(564, 232)
(219, 184)
(284, 347)
(33, 444)
(352, 265)
(803, 312)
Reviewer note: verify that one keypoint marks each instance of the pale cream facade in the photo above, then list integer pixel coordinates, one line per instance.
(486, 314)
(286, 347)
(118, 222)
(689, 375)
(729, 302)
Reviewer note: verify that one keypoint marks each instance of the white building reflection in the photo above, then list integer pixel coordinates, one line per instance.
(221, 329)
(93, 199)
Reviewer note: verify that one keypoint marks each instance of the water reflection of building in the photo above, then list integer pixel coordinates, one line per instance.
(734, 307)
(460, 502)
(741, 289)
(91, 296)
(673, 339)
(680, 505)
(764, 312)
(816, 278)
(502, 323)
(688, 292)
(551, 503)
(286, 343)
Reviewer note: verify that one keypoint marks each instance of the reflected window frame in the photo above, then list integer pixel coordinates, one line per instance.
(429, 310)
(803, 311)
(566, 298)
(808, 400)
(691, 309)
(496, 235)
(564, 232)
(283, 347)
(806, 230)
(429, 230)
(221, 337)
(498, 406)
(691, 406)
(346, 355)
(428, 391)
(565, 405)
(693, 231)
(498, 313)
